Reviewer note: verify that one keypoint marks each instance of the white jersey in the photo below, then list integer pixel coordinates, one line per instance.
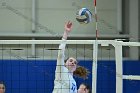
(64, 81)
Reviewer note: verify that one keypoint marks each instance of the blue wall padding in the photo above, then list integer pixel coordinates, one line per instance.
(37, 76)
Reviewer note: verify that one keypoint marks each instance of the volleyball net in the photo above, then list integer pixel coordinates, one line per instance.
(104, 59)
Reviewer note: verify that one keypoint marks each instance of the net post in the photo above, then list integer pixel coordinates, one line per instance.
(119, 67)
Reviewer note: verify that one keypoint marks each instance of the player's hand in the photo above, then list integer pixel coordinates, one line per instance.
(68, 26)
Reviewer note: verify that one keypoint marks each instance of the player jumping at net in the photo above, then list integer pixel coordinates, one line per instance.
(66, 69)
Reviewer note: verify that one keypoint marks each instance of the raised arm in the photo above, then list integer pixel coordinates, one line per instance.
(67, 27)
(61, 52)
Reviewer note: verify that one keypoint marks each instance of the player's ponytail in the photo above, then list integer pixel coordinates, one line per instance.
(81, 72)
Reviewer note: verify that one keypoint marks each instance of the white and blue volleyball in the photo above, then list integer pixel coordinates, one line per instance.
(84, 16)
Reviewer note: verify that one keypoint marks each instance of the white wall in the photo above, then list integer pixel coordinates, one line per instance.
(15, 16)
(43, 52)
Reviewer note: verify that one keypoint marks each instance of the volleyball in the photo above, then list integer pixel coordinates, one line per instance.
(84, 16)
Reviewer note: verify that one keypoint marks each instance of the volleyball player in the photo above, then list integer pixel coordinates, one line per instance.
(2, 87)
(65, 70)
(84, 88)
